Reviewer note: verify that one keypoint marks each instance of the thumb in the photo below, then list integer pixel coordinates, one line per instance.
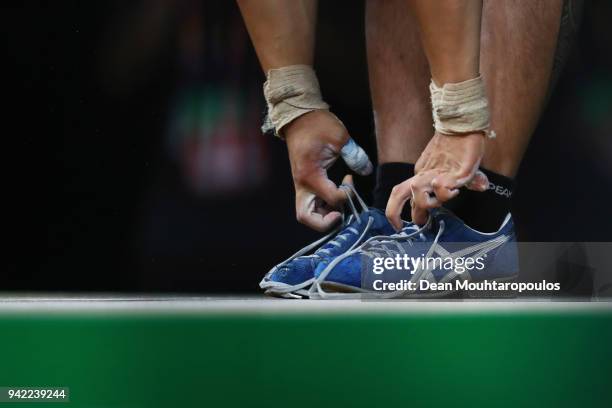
(479, 182)
(348, 180)
(347, 185)
(327, 190)
(356, 158)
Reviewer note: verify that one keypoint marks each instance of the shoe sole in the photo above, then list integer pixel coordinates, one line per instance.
(282, 290)
(300, 294)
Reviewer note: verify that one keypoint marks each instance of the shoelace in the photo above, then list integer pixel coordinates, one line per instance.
(374, 247)
(350, 192)
(392, 245)
(345, 230)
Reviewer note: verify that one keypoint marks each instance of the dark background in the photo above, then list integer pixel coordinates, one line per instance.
(133, 160)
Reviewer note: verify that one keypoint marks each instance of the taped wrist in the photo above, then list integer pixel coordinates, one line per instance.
(460, 108)
(290, 92)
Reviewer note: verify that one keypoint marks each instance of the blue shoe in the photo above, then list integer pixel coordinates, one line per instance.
(451, 256)
(292, 277)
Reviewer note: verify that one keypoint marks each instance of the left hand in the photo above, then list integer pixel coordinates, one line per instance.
(446, 164)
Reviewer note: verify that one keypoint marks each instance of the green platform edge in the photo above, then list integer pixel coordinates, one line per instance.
(312, 360)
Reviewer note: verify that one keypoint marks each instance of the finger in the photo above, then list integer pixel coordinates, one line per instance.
(356, 158)
(466, 173)
(347, 186)
(312, 212)
(399, 195)
(479, 182)
(444, 186)
(319, 222)
(422, 197)
(422, 191)
(442, 191)
(348, 180)
(326, 189)
(452, 181)
(419, 215)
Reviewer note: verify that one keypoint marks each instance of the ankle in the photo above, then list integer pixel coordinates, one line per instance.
(388, 175)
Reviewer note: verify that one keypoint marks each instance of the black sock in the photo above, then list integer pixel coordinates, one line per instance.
(388, 175)
(484, 211)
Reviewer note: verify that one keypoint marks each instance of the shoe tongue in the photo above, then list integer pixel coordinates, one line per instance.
(442, 215)
(440, 212)
(380, 222)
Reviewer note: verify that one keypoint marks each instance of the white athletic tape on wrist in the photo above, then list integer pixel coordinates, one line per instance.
(290, 92)
(460, 108)
(293, 91)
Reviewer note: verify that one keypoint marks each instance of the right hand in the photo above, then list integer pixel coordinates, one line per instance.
(315, 140)
(446, 164)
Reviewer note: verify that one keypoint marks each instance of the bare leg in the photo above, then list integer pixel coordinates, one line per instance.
(518, 46)
(399, 80)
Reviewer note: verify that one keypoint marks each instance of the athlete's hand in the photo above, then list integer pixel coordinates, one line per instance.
(446, 164)
(315, 141)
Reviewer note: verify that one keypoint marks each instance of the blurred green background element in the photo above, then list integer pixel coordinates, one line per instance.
(505, 359)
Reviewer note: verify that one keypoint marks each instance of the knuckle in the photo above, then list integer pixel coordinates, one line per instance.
(300, 177)
(400, 190)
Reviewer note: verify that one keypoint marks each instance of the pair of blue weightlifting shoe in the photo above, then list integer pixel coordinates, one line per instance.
(348, 261)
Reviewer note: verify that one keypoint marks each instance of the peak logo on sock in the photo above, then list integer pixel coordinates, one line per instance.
(500, 190)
